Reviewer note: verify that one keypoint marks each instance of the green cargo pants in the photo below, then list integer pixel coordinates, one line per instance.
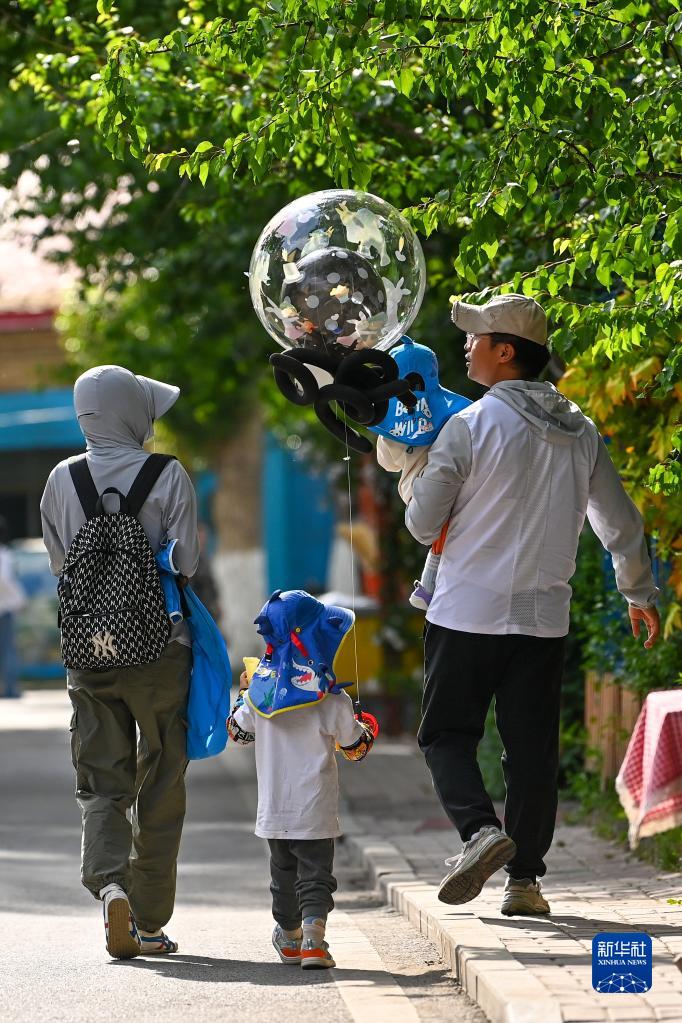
(131, 791)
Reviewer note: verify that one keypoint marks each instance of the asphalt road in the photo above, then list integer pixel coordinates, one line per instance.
(53, 964)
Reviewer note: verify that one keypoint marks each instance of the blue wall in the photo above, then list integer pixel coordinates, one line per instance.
(298, 522)
(39, 419)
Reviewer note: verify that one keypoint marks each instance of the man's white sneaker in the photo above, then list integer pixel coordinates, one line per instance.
(484, 853)
(523, 898)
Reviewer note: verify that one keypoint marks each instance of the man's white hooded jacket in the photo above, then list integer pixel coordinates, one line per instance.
(516, 473)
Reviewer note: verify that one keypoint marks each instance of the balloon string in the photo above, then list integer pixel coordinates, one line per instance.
(352, 568)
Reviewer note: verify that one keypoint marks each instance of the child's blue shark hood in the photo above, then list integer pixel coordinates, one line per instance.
(302, 637)
(434, 406)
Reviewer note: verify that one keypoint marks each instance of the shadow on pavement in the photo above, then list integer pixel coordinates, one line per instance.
(577, 926)
(204, 969)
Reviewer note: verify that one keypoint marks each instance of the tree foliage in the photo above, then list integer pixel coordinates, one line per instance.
(162, 261)
(638, 423)
(535, 142)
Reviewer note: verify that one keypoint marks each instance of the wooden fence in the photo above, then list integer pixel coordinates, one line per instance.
(610, 715)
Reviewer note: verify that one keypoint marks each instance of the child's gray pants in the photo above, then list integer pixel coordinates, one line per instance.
(302, 880)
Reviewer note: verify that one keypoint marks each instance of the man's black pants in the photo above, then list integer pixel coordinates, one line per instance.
(463, 672)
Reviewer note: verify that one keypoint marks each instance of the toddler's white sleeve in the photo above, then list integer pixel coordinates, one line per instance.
(245, 716)
(241, 724)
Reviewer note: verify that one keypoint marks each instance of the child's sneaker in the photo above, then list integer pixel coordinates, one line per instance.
(120, 932)
(156, 943)
(420, 598)
(315, 955)
(288, 949)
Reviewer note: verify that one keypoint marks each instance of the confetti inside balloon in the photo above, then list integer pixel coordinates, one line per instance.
(337, 270)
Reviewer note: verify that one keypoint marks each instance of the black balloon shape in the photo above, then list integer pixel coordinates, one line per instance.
(364, 381)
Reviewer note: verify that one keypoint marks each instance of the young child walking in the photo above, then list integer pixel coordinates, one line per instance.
(298, 716)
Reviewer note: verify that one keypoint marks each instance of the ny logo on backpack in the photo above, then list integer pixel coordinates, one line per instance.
(104, 645)
(112, 610)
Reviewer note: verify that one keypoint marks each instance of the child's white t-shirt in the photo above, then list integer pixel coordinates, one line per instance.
(298, 784)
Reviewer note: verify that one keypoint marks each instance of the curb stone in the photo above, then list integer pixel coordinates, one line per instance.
(485, 970)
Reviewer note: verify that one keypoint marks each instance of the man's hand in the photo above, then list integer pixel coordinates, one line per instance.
(650, 617)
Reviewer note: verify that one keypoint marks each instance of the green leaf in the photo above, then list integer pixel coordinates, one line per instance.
(490, 249)
(625, 268)
(603, 275)
(405, 81)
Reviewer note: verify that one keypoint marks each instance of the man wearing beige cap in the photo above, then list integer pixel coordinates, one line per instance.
(514, 474)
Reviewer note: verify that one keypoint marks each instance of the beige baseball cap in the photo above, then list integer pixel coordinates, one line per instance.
(503, 314)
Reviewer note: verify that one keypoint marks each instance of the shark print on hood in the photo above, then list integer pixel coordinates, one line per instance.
(303, 638)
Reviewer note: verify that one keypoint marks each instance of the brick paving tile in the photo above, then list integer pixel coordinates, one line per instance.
(592, 886)
(580, 1014)
(621, 1014)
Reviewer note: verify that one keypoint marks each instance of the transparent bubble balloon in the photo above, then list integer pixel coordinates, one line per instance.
(337, 270)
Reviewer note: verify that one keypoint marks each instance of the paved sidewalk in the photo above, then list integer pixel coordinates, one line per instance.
(53, 965)
(518, 970)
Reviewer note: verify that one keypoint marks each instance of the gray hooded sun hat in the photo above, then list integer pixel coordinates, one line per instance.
(114, 405)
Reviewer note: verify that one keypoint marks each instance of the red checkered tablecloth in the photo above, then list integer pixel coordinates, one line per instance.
(649, 782)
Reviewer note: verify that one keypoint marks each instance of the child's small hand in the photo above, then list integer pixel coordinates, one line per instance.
(361, 747)
(243, 682)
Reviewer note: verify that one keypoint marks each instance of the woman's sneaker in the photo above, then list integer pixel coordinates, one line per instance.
(522, 897)
(156, 943)
(315, 955)
(120, 933)
(484, 853)
(288, 949)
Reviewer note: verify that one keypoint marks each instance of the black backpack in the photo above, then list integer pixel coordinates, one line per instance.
(112, 610)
